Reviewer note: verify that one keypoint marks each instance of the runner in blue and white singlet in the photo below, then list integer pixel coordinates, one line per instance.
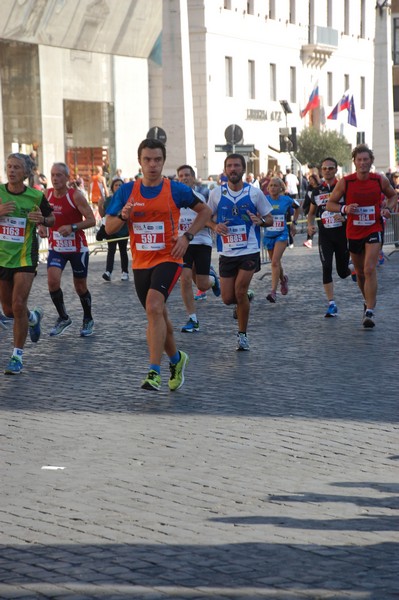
(238, 210)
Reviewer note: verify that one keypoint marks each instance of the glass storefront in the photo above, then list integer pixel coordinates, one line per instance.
(20, 92)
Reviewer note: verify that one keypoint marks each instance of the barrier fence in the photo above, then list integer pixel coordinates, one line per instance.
(391, 237)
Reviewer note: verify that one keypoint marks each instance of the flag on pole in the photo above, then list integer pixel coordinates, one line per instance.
(352, 113)
(346, 103)
(314, 101)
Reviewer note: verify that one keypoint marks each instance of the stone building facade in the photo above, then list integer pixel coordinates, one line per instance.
(85, 80)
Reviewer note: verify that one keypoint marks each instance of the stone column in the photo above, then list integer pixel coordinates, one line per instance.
(383, 115)
(178, 112)
(3, 151)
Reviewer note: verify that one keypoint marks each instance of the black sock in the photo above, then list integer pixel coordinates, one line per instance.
(86, 304)
(58, 301)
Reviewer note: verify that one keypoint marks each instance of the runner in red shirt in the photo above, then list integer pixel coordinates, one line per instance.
(364, 211)
(67, 243)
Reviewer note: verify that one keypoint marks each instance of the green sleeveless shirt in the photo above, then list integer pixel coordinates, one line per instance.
(18, 239)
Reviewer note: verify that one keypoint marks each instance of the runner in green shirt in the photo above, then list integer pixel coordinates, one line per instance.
(21, 210)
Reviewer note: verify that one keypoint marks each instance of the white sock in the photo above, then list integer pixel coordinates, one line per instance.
(18, 353)
(193, 317)
(32, 318)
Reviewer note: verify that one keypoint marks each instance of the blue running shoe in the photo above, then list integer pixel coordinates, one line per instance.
(242, 342)
(60, 326)
(34, 328)
(352, 269)
(190, 326)
(368, 319)
(200, 295)
(332, 311)
(216, 285)
(14, 367)
(3, 320)
(87, 328)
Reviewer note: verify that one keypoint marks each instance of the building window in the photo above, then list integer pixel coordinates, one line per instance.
(329, 13)
(272, 9)
(396, 98)
(346, 17)
(346, 82)
(396, 41)
(250, 7)
(329, 88)
(273, 82)
(363, 19)
(251, 79)
(292, 11)
(293, 85)
(362, 93)
(228, 65)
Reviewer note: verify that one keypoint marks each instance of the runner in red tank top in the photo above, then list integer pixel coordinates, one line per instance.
(364, 211)
(67, 243)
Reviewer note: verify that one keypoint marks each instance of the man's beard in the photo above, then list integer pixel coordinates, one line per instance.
(234, 177)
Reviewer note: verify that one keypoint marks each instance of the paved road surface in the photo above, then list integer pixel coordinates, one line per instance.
(271, 474)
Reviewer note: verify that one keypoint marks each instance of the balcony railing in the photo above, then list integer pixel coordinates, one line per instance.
(322, 43)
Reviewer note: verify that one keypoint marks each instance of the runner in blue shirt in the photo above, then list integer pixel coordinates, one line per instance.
(276, 237)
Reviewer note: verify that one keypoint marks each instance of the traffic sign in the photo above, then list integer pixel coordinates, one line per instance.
(233, 134)
(244, 149)
(157, 133)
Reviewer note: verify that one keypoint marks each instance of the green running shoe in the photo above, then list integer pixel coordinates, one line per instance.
(152, 381)
(176, 378)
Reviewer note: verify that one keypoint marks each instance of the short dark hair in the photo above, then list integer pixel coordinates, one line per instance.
(116, 180)
(239, 156)
(152, 144)
(362, 148)
(331, 159)
(186, 167)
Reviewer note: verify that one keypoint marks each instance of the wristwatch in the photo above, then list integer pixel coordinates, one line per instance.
(189, 236)
(119, 215)
(74, 227)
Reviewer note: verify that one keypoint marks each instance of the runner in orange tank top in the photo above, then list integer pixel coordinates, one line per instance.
(98, 186)
(151, 206)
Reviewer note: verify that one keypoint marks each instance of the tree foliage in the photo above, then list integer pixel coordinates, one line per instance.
(314, 145)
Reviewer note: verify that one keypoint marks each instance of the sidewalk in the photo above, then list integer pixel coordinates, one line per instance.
(271, 474)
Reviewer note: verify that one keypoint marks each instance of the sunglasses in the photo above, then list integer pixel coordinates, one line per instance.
(328, 168)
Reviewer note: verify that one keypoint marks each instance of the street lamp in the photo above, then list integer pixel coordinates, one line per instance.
(382, 4)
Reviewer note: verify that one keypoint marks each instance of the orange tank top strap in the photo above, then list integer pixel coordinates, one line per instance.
(153, 226)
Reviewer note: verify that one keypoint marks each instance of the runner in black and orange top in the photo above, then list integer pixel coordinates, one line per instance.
(364, 210)
(67, 243)
(151, 206)
(22, 209)
(332, 233)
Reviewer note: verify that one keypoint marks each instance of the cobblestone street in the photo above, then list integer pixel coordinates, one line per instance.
(271, 474)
